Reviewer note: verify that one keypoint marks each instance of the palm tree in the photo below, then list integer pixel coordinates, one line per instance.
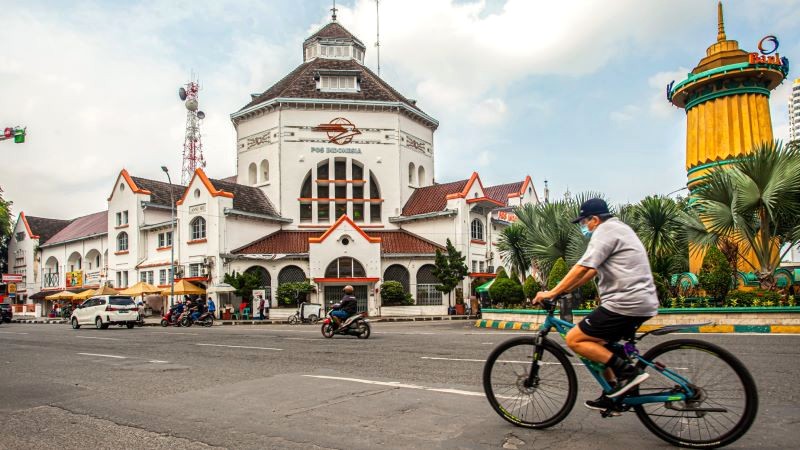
(756, 203)
(511, 245)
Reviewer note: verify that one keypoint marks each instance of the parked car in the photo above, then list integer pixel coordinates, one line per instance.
(105, 310)
(6, 313)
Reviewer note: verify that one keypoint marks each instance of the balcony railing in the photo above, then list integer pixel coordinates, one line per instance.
(51, 280)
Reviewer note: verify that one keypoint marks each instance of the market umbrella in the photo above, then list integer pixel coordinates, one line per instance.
(183, 287)
(105, 290)
(140, 288)
(484, 287)
(83, 295)
(63, 295)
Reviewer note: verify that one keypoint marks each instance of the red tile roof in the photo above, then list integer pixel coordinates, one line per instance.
(431, 198)
(82, 227)
(501, 191)
(160, 191)
(293, 242)
(333, 30)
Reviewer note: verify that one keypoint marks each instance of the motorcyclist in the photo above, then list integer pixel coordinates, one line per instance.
(347, 306)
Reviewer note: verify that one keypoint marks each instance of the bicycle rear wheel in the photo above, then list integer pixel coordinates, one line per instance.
(720, 380)
(542, 405)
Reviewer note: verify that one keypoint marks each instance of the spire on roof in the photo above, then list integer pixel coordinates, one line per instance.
(333, 12)
(720, 24)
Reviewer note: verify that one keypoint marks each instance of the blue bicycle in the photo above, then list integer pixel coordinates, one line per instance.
(701, 396)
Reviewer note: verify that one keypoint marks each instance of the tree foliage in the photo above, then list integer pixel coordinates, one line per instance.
(449, 269)
(511, 245)
(244, 283)
(393, 294)
(5, 232)
(501, 273)
(557, 273)
(531, 287)
(716, 275)
(506, 291)
(290, 294)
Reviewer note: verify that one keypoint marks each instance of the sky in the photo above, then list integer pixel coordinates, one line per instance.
(572, 92)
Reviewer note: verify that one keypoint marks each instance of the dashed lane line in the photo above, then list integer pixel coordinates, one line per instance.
(102, 338)
(241, 346)
(104, 356)
(397, 384)
(11, 332)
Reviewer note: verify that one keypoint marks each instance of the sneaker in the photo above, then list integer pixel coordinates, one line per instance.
(601, 403)
(628, 377)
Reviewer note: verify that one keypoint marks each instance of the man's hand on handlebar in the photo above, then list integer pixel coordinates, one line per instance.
(541, 296)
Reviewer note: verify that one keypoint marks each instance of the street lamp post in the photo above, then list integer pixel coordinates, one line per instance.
(172, 239)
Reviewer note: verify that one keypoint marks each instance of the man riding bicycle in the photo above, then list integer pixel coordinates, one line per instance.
(627, 293)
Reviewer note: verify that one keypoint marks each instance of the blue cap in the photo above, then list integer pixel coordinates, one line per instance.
(593, 207)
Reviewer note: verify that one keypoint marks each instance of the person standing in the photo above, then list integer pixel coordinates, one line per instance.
(212, 308)
(260, 308)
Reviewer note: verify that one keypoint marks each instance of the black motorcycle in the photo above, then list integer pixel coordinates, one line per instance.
(357, 325)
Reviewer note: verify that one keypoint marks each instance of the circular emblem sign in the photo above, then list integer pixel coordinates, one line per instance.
(768, 45)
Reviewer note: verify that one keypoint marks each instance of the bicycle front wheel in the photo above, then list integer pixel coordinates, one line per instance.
(725, 401)
(542, 404)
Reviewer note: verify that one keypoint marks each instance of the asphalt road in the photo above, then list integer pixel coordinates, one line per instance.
(411, 385)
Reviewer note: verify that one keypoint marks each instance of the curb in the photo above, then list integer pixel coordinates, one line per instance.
(773, 329)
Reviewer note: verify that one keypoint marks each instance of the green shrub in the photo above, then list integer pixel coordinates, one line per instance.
(557, 273)
(501, 273)
(589, 291)
(504, 290)
(756, 297)
(288, 292)
(531, 287)
(393, 294)
(715, 275)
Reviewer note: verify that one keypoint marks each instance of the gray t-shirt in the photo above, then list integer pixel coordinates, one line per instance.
(625, 280)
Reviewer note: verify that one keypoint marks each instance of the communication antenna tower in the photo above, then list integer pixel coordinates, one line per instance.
(192, 145)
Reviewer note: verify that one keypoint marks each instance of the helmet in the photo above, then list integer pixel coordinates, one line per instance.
(348, 289)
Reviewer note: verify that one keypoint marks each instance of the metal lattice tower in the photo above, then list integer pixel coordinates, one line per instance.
(192, 144)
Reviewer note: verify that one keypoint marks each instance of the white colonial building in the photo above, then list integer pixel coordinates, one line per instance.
(335, 185)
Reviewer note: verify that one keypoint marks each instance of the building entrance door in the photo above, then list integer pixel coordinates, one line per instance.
(333, 294)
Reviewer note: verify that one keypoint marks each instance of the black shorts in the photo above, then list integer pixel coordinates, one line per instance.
(610, 326)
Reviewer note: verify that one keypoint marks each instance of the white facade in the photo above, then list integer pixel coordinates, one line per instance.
(794, 114)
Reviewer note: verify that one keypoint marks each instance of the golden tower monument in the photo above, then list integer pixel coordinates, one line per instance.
(726, 98)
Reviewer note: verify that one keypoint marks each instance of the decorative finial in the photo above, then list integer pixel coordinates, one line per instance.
(720, 24)
(333, 12)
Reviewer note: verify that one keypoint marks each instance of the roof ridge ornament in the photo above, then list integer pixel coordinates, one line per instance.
(333, 12)
(720, 23)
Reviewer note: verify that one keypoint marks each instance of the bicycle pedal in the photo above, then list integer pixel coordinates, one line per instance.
(610, 413)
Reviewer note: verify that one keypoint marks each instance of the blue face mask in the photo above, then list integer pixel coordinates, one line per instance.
(585, 230)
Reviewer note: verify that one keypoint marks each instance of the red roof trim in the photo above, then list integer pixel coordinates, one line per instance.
(27, 227)
(466, 189)
(521, 191)
(207, 183)
(342, 219)
(345, 280)
(485, 199)
(131, 184)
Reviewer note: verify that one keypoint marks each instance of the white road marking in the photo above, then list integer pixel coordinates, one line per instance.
(241, 346)
(168, 332)
(397, 384)
(104, 356)
(11, 332)
(300, 339)
(487, 343)
(103, 338)
(156, 361)
(499, 360)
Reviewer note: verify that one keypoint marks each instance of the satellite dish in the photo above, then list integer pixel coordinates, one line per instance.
(182, 93)
(191, 104)
(201, 115)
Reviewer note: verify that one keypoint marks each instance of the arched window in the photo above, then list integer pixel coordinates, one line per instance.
(398, 273)
(251, 174)
(421, 177)
(74, 261)
(264, 171)
(345, 267)
(305, 188)
(374, 194)
(198, 226)
(426, 286)
(122, 242)
(477, 229)
(263, 276)
(411, 173)
(291, 274)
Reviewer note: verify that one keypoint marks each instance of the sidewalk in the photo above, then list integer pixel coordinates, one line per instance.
(154, 321)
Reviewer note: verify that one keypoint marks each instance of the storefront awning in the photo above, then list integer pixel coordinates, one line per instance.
(484, 287)
(220, 288)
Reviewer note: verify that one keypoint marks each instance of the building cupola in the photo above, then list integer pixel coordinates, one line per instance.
(333, 41)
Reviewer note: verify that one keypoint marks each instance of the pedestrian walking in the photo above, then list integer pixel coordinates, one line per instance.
(212, 308)
(260, 307)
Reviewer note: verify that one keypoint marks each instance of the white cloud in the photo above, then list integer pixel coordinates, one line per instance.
(659, 105)
(626, 114)
(489, 112)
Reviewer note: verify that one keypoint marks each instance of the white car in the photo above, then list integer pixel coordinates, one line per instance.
(105, 310)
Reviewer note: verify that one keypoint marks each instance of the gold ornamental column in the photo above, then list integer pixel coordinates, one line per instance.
(726, 98)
